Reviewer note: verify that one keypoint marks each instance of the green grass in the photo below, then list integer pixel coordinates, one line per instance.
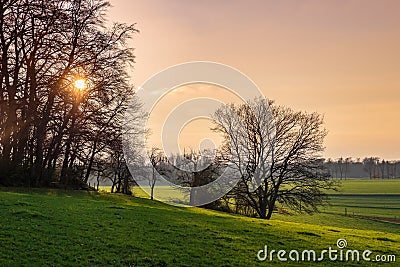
(356, 196)
(366, 197)
(67, 228)
(369, 205)
(367, 186)
(162, 193)
(363, 197)
(339, 220)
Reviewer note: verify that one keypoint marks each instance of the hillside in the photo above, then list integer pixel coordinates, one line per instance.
(67, 228)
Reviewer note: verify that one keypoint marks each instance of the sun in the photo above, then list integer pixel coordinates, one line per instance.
(80, 84)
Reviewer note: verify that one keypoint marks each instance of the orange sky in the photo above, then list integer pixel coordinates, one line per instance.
(340, 58)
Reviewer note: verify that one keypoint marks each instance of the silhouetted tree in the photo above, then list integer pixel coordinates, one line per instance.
(282, 152)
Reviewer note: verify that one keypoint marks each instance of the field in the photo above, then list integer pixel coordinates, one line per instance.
(367, 186)
(68, 228)
(380, 198)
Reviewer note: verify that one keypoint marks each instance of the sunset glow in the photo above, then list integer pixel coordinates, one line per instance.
(80, 84)
(338, 58)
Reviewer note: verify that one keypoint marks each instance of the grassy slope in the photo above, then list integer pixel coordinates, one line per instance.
(65, 228)
(359, 196)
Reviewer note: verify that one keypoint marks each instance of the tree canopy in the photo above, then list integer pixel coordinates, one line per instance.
(64, 87)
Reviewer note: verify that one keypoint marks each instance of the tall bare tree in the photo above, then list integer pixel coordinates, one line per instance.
(282, 152)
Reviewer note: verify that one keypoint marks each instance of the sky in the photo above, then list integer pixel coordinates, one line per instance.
(340, 58)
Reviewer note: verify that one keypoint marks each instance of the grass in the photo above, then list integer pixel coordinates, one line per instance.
(369, 205)
(368, 186)
(356, 196)
(163, 193)
(359, 197)
(68, 228)
(348, 186)
(366, 197)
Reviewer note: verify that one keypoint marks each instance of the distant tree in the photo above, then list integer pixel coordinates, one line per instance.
(341, 167)
(330, 166)
(370, 166)
(382, 165)
(347, 162)
(396, 169)
(390, 171)
(191, 169)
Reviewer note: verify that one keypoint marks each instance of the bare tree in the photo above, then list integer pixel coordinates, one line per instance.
(282, 153)
(396, 169)
(347, 162)
(341, 167)
(191, 169)
(381, 168)
(156, 158)
(370, 166)
(330, 165)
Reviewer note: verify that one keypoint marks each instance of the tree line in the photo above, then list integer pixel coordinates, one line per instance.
(368, 167)
(64, 88)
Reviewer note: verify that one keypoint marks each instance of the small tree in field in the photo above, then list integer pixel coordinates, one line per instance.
(282, 152)
(156, 158)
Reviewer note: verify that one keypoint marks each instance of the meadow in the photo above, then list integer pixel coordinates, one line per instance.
(372, 198)
(41, 227)
(370, 186)
(362, 197)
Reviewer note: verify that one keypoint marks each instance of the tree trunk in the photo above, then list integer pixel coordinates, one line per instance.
(271, 204)
(40, 137)
(89, 168)
(269, 214)
(64, 168)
